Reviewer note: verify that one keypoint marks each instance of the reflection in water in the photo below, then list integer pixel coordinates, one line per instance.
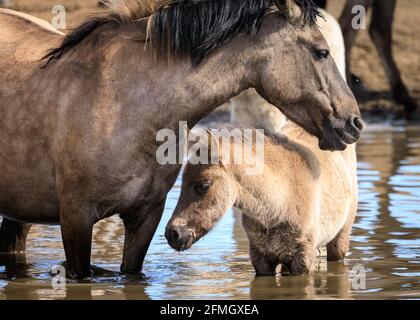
(385, 241)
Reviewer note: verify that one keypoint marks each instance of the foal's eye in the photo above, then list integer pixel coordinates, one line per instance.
(322, 53)
(201, 188)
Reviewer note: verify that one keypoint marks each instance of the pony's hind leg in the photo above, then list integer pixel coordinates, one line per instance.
(13, 236)
(339, 246)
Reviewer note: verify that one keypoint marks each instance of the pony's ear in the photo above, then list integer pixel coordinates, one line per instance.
(282, 4)
(305, 11)
(289, 8)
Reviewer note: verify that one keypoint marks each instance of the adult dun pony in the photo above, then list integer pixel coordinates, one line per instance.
(78, 130)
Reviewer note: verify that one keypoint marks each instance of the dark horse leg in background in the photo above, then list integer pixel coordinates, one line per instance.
(349, 34)
(381, 33)
(5, 3)
(321, 3)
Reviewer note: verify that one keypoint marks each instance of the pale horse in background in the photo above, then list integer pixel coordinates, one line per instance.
(251, 110)
(5, 3)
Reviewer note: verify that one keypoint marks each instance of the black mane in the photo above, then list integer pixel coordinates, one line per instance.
(196, 28)
(192, 28)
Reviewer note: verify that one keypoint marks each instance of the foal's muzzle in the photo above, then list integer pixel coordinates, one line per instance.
(179, 238)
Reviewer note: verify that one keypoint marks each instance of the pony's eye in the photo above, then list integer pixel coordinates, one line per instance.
(322, 54)
(201, 188)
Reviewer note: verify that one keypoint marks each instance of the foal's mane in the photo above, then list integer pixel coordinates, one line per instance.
(179, 28)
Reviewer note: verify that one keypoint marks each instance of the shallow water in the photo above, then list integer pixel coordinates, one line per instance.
(385, 247)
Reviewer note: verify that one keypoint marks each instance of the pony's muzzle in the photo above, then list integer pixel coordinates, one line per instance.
(358, 125)
(352, 130)
(337, 134)
(179, 238)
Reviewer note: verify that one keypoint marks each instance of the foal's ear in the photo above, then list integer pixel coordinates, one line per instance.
(213, 147)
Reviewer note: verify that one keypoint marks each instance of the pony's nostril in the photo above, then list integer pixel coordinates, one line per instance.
(358, 123)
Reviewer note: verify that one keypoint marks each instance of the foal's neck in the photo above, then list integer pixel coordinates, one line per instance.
(262, 196)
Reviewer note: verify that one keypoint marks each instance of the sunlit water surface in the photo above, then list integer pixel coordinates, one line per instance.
(385, 243)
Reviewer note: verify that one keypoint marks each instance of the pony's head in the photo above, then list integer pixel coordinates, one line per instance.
(291, 63)
(296, 73)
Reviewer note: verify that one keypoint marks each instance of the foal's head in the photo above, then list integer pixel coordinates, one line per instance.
(209, 189)
(208, 192)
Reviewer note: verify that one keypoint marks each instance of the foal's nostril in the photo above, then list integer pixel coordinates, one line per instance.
(179, 238)
(172, 235)
(358, 123)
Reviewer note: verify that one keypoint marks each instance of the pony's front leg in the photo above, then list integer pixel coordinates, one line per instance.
(138, 236)
(13, 236)
(76, 229)
(300, 254)
(263, 264)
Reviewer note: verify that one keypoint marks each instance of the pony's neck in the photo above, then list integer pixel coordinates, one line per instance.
(151, 95)
(178, 91)
(222, 76)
